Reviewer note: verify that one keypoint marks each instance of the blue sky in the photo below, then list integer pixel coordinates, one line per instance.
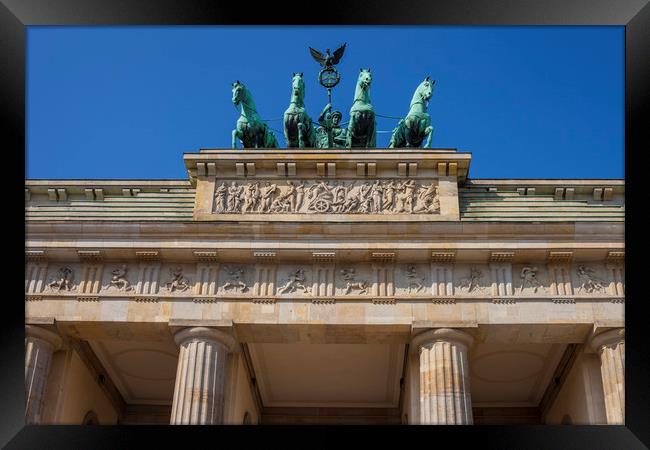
(126, 102)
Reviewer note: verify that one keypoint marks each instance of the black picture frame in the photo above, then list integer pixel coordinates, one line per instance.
(16, 15)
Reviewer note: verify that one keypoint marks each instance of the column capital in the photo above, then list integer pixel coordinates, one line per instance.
(205, 333)
(441, 335)
(610, 337)
(50, 337)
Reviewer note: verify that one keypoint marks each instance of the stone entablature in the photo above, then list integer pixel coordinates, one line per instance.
(341, 280)
(396, 185)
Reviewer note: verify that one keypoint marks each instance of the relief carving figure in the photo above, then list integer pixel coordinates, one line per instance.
(427, 200)
(234, 197)
(177, 280)
(63, 280)
(473, 282)
(267, 196)
(589, 281)
(236, 279)
(365, 198)
(300, 195)
(405, 196)
(351, 282)
(339, 194)
(389, 196)
(286, 201)
(251, 197)
(352, 203)
(414, 280)
(118, 279)
(377, 193)
(529, 278)
(295, 281)
(220, 195)
(321, 197)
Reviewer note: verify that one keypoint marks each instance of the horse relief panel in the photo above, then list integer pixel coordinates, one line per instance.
(530, 280)
(386, 196)
(63, 278)
(353, 279)
(176, 280)
(235, 280)
(412, 279)
(472, 280)
(294, 281)
(590, 279)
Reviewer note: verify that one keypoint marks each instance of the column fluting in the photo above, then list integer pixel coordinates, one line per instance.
(610, 345)
(200, 376)
(444, 376)
(40, 344)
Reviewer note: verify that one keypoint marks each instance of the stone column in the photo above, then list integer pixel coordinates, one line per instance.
(610, 345)
(200, 376)
(40, 344)
(444, 377)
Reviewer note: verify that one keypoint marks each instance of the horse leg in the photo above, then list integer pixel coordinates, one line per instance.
(372, 134)
(429, 132)
(301, 135)
(408, 136)
(348, 137)
(235, 135)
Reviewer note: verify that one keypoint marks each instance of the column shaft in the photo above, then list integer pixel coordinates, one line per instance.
(200, 376)
(444, 377)
(611, 347)
(40, 344)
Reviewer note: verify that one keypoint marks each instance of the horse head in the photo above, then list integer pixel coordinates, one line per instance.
(425, 89)
(238, 91)
(365, 78)
(298, 85)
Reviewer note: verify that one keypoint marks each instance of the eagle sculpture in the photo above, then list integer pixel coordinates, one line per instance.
(328, 60)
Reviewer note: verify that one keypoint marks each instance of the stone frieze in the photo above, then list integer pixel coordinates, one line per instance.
(325, 280)
(383, 196)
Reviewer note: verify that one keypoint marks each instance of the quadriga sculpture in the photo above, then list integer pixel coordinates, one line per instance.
(250, 130)
(416, 126)
(298, 129)
(362, 130)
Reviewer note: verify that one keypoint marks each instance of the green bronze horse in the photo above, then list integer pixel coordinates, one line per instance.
(362, 130)
(298, 129)
(416, 126)
(250, 130)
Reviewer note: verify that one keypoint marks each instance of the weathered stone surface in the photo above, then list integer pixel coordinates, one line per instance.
(40, 344)
(610, 345)
(200, 378)
(445, 397)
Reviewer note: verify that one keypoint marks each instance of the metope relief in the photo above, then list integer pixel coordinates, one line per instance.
(326, 197)
(63, 280)
(352, 283)
(414, 279)
(119, 280)
(294, 282)
(234, 280)
(588, 281)
(529, 281)
(177, 282)
(474, 283)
